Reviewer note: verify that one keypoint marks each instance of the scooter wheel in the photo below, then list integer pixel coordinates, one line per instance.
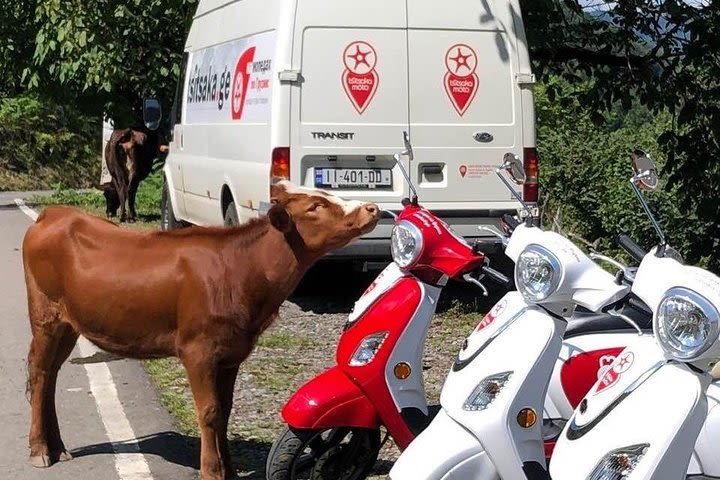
(325, 454)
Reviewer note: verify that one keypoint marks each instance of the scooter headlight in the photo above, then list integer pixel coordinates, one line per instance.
(368, 348)
(619, 464)
(487, 391)
(686, 324)
(537, 273)
(406, 243)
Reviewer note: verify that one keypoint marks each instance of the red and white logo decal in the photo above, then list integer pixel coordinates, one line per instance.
(496, 311)
(360, 80)
(461, 81)
(241, 81)
(463, 170)
(611, 374)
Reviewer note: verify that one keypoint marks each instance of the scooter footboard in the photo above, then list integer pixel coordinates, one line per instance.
(315, 405)
(444, 451)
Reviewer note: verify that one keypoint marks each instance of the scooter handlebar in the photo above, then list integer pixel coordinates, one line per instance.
(632, 248)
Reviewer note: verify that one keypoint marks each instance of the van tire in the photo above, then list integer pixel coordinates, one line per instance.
(231, 216)
(168, 221)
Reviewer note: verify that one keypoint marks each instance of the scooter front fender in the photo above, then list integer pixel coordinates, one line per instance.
(442, 451)
(642, 401)
(330, 400)
(521, 344)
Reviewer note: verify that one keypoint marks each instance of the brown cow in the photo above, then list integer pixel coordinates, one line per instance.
(201, 294)
(129, 156)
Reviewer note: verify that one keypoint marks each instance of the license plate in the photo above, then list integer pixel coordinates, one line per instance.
(362, 178)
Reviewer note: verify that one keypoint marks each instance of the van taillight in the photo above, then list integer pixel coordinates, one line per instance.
(530, 189)
(280, 165)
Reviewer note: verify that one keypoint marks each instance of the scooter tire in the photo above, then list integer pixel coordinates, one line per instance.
(289, 449)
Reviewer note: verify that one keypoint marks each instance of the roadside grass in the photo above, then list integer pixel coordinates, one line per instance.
(169, 377)
(147, 201)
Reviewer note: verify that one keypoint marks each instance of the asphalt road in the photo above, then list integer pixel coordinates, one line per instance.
(109, 414)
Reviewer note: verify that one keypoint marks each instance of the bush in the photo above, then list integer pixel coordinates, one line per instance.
(585, 171)
(44, 143)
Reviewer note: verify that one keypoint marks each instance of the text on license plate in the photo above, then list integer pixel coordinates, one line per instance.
(353, 177)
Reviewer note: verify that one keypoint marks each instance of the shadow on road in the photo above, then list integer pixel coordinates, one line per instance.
(248, 455)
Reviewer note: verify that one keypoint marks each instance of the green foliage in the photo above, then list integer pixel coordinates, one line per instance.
(663, 54)
(585, 171)
(110, 54)
(45, 143)
(17, 31)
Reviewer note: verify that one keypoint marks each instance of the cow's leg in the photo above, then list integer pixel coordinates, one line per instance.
(202, 370)
(120, 182)
(41, 381)
(67, 342)
(111, 201)
(226, 387)
(132, 191)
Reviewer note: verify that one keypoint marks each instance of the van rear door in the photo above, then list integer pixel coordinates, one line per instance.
(350, 106)
(465, 110)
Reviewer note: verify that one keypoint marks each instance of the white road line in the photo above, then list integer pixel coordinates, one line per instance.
(25, 209)
(129, 462)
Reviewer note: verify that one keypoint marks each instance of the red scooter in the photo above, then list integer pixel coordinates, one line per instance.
(334, 420)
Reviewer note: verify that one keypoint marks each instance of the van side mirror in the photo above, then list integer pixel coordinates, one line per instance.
(152, 113)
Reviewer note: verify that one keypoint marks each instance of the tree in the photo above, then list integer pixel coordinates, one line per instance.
(109, 54)
(16, 49)
(666, 55)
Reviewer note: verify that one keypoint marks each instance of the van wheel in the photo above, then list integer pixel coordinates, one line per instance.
(324, 454)
(231, 216)
(167, 216)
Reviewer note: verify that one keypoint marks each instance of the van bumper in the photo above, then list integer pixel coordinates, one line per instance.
(465, 223)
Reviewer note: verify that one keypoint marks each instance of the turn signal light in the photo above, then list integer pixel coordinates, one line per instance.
(280, 165)
(527, 417)
(402, 370)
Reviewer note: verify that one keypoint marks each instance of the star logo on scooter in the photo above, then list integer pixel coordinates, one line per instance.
(624, 362)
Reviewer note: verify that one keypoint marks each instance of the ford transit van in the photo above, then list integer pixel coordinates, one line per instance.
(320, 92)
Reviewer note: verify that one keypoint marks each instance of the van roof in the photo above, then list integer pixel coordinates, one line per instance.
(206, 6)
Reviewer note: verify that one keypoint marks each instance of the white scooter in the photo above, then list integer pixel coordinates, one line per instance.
(641, 420)
(492, 401)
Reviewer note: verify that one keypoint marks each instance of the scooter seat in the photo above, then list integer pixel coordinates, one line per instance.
(585, 322)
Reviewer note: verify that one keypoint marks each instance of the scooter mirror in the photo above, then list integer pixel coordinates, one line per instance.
(645, 170)
(514, 166)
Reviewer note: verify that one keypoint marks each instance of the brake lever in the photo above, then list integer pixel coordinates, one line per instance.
(392, 214)
(493, 230)
(468, 278)
(627, 272)
(616, 313)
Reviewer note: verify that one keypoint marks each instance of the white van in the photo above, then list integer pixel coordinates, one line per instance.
(320, 92)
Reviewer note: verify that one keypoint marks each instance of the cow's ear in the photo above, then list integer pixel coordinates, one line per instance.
(280, 218)
(279, 192)
(138, 138)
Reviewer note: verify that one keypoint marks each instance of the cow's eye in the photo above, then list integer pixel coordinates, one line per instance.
(314, 207)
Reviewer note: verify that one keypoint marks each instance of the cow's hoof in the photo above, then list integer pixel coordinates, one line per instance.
(63, 456)
(40, 461)
(131, 220)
